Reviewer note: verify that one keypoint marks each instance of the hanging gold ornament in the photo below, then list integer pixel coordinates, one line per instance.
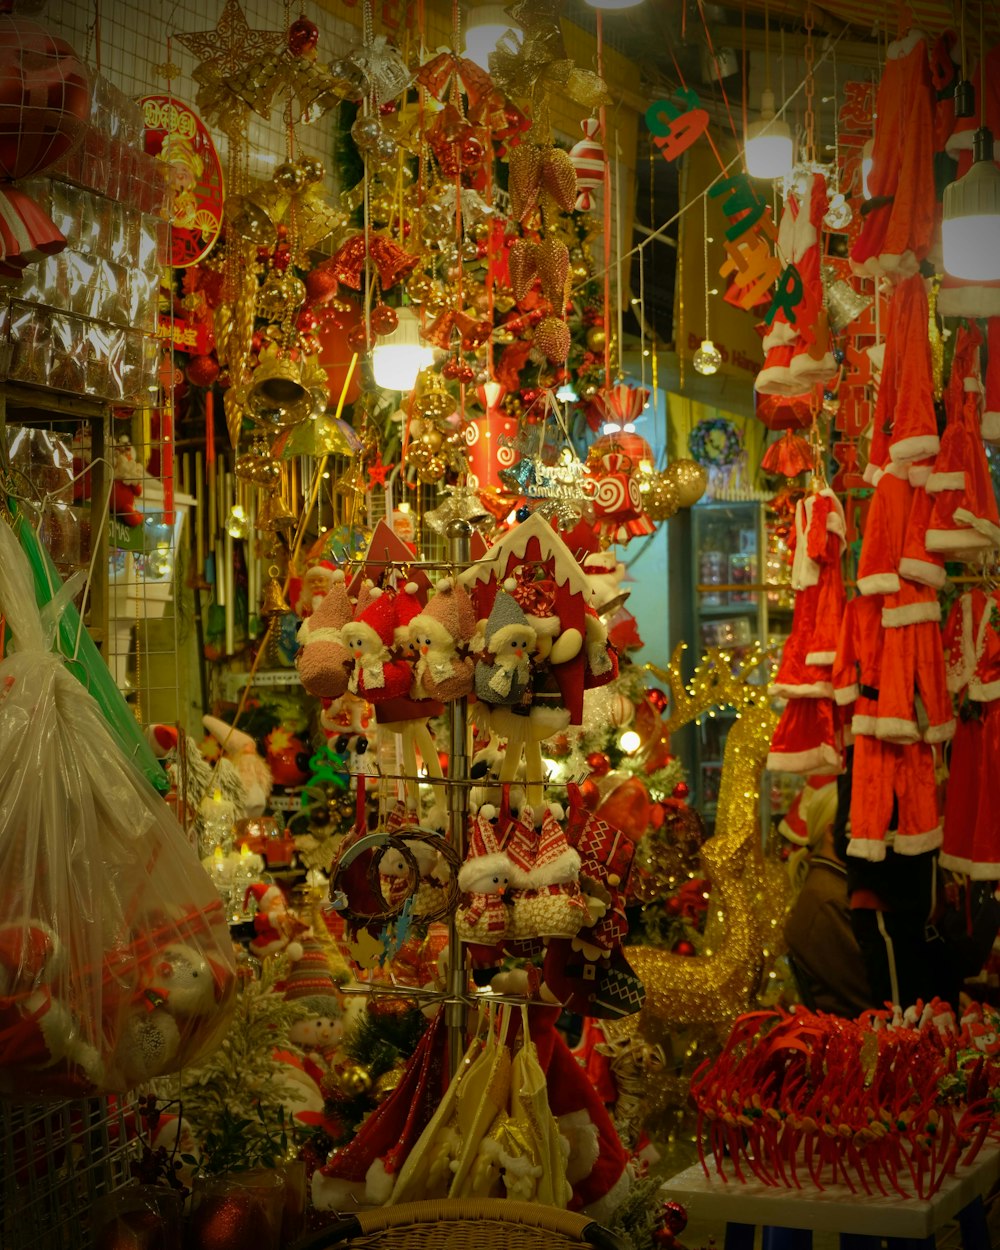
(661, 501)
(418, 287)
(717, 986)
(433, 470)
(273, 602)
(597, 340)
(274, 514)
(690, 480)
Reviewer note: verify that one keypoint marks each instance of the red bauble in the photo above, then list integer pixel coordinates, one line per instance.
(590, 794)
(303, 36)
(321, 286)
(672, 906)
(384, 319)
(358, 338)
(683, 947)
(202, 370)
(227, 1222)
(681, 790)
(471, 151)
(44, 98)
(457, 370)
(675, 1217)
(598, 763)
(305, 321)
(657, 699)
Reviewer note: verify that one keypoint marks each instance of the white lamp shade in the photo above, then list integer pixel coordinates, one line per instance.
(484, 27)
(397, 359)
(970, 229)
(613, 4)
(769, 150)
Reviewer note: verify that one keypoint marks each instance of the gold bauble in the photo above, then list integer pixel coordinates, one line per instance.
(435, 403)
(596, 339)
(418, 455)
(436, 298)
(289, 176)
(690, 480)
(662, 500)
(354, 1079)
(432, 438)
(418, 286)
(433, 470)
(388, 1081)
(313, 169)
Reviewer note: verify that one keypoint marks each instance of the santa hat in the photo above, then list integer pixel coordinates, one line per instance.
(310, 980)
(484, 856)
(260, 892)
(449, 615)
(377, 620)
(162, 739)
(505, 619)
(537, 601)
(233, 741)
(407, 607)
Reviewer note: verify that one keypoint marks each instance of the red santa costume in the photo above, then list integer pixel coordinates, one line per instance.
(964, 519)
(793, 364)
(913, 702)
(971, 842)
(807, 738)
(899, 220)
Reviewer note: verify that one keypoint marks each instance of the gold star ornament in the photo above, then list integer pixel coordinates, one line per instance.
(232, 44)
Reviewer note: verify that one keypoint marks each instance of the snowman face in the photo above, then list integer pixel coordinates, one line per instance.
(499, 882)
(423, 642)
(518, 644)
(358, 642)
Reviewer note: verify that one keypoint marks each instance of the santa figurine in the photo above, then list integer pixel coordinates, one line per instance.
(241, 751)
(126, 486)
(276, 928)
(316, 585)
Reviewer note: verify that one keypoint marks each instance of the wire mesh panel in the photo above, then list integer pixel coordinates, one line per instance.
(57, 1160)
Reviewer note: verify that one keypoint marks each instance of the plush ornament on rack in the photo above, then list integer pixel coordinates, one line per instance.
(276, 927)
(369, 637)
(441, 636)
(37, 1029)
(323, 661)
(44, 107)
(503, 676)
(127, 483)
(241, 751)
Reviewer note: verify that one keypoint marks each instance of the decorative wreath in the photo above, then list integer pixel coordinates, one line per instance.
(715, 443)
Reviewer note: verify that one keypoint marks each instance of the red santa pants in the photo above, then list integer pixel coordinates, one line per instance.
(887, 771)
(912, 664)
(806, 740)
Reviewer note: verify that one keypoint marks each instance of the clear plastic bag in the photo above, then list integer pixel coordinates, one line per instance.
(116, 963)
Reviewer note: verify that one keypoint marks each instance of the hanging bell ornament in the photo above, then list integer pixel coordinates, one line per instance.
(275, 514)
(274, 602)
(843, 303)
(277, 396)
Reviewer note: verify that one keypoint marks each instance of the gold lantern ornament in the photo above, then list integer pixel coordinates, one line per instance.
(689, 479)
(662, 499)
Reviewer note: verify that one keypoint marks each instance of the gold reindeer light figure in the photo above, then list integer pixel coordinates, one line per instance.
(746, 899)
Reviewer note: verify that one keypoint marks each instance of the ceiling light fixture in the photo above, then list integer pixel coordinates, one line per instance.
(485, 26)
(398, 358)
(768, 148)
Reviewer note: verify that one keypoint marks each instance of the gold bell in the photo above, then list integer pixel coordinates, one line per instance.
(277, 397)
(274, 602)
(275, 514)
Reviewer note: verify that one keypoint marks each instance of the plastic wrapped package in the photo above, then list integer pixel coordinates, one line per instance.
(45, 462)
(31, 344)
(68, 354)
(116, 963)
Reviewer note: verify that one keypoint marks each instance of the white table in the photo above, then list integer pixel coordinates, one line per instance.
(858, 1217)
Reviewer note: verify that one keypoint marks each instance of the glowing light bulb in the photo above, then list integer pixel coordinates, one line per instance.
(769, 149)
(970, 227)
(707, 358)
(629, 741)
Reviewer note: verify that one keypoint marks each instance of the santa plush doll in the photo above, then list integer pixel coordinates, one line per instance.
(276, 928)
(323, 661)
(369, 640)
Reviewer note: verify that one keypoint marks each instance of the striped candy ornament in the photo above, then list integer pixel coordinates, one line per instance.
(588, 161)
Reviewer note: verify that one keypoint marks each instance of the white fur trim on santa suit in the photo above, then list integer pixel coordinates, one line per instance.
(820, 657)
(843, 695)
(923, 571)
(974, 301)
(984, 691)
(864, 723)
(781, 334)
(961, 540)
(872, 473)
(903, 266)
(940, 733)
(937, 482)
(917, 447)
(911, 614)
(991, 427)
(900, 49)
(544, 626)
(810, 690)
(808, 372)
(819, 759)
(879, 584)
(895, 729)
(917, 843)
